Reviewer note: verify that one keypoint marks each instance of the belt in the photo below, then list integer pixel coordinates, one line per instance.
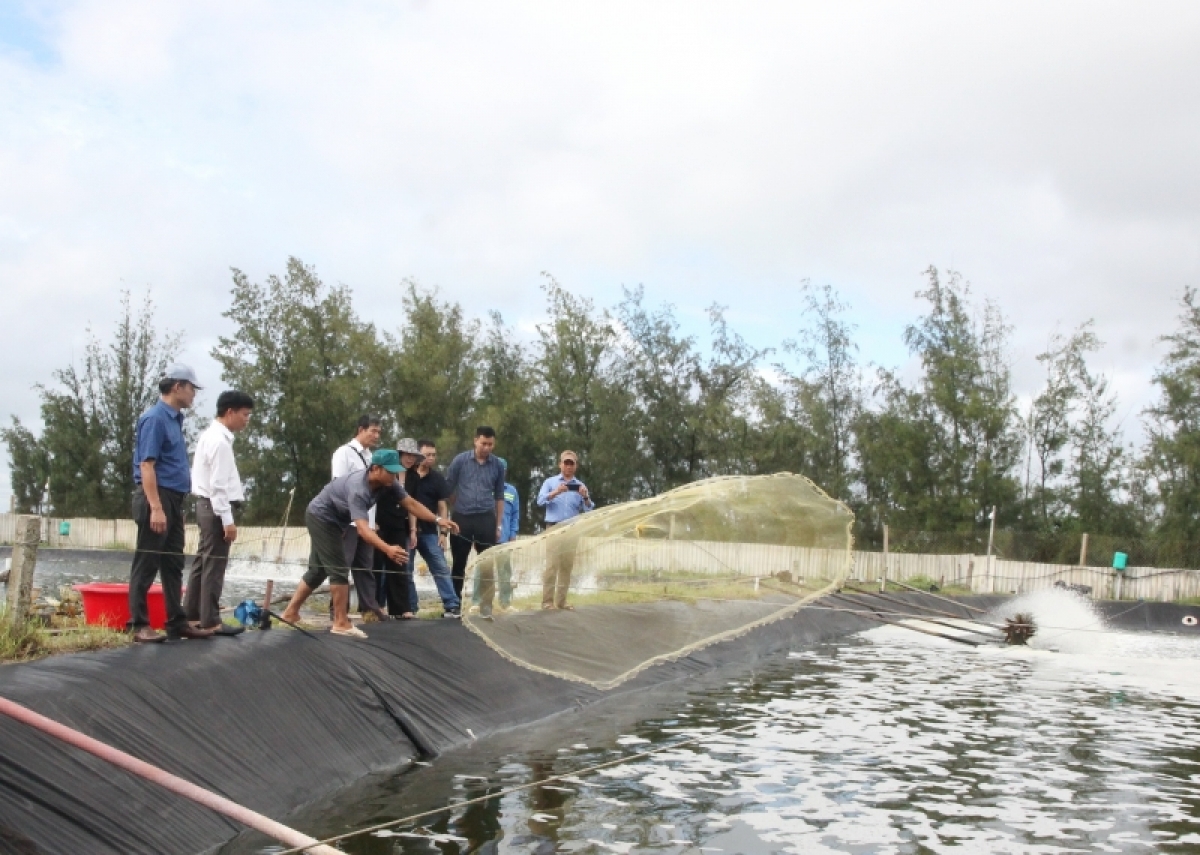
(237, 506)
(175, 494)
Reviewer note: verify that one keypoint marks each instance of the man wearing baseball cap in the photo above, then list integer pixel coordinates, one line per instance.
(164, 479)
(564, 497)
(347, 501)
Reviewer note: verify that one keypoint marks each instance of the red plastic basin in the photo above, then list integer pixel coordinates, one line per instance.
(107, 604)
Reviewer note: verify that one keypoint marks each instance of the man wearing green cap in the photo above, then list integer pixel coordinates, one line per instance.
(347, 501)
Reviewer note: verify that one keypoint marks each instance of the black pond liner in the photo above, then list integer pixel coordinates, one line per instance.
(277, 720)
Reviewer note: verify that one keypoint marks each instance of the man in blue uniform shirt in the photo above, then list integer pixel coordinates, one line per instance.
(163, 478)
(564, 497)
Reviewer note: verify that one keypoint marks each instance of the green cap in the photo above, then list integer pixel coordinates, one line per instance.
(388, 458)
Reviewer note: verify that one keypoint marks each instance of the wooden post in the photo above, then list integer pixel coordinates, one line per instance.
(24, 558)
(264, 622)
(1083, 551)
(884, 574)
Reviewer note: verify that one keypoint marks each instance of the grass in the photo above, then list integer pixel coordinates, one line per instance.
(21, 641)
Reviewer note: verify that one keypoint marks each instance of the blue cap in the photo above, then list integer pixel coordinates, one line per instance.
(388, 458)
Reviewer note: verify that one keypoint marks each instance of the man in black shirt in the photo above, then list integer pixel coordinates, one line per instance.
(431, 490)
(394, 527)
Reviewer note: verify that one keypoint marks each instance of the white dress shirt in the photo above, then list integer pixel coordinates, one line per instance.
(351, 457)
(214, 471)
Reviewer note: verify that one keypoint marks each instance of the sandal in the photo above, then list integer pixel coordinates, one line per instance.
(548, 607)
(352, 632)
(407, 616)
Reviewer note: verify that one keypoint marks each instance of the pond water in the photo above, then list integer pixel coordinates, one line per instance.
(884, 742)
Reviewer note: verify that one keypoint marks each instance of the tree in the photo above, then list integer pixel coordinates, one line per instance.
(86, 447)
(29, 466)
(1097, 467)
(1173, 424)
(429, 370)
(691, 410)
(806, 422)
(578, 397)
(1049, 427)
(661, 368)
(505, 401)
(937, 457)
(312, 367)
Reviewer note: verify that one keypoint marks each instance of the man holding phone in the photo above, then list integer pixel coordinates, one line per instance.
(564, 497)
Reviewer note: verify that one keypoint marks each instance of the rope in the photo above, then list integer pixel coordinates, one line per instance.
(521, 787)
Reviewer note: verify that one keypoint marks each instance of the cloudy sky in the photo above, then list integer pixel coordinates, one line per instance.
(711, 152)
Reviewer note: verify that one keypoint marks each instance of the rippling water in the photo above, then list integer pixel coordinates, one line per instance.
(886, 742)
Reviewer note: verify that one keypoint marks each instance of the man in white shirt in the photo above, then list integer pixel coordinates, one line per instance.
(355, 456)
(219, 494)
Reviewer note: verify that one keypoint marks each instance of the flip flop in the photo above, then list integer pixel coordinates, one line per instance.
(352, 632)
(408, 616)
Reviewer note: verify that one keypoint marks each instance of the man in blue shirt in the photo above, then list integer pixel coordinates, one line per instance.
(564, 497)
(476, 481)
(164, 479)
(508, 532)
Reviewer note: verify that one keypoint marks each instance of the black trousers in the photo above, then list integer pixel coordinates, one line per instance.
(475, 531)
(158, 554)
(360, 558)
(392, 577)
(202, 602)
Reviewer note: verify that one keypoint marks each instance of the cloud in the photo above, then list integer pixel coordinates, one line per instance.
(711, 152)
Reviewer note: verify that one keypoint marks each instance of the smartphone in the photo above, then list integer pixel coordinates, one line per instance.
(574, 488)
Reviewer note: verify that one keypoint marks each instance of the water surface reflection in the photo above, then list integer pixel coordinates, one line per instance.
(878, 743)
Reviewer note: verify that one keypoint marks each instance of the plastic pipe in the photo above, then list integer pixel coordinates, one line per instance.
(287, 836)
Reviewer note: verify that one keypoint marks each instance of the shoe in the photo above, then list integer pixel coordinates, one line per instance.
(188, 631)
(474, 610)
(227, 630)
(406, 616)
(485, 611)
(549, 607)
(146, 635)
(567, 608)
(452, 613)
(352, 632)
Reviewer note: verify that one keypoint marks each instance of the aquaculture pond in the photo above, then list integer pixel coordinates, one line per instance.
(884, 742)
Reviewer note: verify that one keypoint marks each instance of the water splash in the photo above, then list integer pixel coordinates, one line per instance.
(1066, 621)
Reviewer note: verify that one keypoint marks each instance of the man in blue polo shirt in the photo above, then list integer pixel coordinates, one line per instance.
(164, 478)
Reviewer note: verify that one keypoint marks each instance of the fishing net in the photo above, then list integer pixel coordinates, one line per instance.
(652, 580)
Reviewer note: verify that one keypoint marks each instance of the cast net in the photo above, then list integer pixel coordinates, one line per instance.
(656, 579)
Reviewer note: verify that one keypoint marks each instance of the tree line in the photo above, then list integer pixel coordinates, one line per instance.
(649, 407)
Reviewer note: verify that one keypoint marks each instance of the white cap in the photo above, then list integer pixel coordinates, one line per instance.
(179, 371)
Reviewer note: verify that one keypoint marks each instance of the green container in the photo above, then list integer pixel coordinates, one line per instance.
(64, 528)
(1120, 559)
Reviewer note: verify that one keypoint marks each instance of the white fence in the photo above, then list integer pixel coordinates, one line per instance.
(257, 549)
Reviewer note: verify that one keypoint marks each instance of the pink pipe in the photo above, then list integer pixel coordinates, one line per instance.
(288, 836)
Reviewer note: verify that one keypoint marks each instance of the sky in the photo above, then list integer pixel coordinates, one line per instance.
(710, 152)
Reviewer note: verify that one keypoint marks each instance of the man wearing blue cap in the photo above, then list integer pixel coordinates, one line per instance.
(347, 501)
(164, 479)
